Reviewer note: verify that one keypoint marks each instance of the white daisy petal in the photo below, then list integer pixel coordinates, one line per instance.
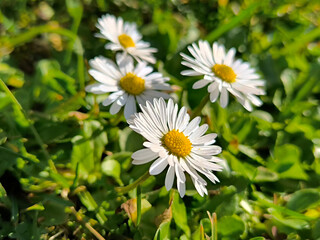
(181, 188)
(198, 188)
(198, 132)
(193, 125)
(207, 139)
(218, 66)
(158, 166)
(174, 116)
(214, 95)
(179, 172)
(171, 160)
(107, 67)
(102, 78)
(207, 150)
(98, 88)
(124, 36)
(229, 57)
(185, 166)
(156, 94)
(122, 99)
(125, 82)
(255, 100)
(144, 154)
(247, 105)
(190, 73)
(200, 84)
(130, 107)
(169, 178)
(163, 153)
(169, 113)
(224, 97)
(112, 97)
(180, 118)
(115, 107)
(177, 143)
(153, 147)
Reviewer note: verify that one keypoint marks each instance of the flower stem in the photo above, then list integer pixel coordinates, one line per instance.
(198, 110)
(133, 185)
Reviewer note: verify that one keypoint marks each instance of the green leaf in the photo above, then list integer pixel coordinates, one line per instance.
(129, 140)
(60, 179)
(231, 227)
(244, 169)
(163, 231)
(287, 162)
(310, 82)
(74, 8)
(266, 202)
(288, 77)
(70, 104)
(36, 207)
(250, 152)
(93, 130)
(53, 81)
(293, 223)
(130, 208)
(227, 194)
(82, 153)
(87, 200)
(88, 148)
(316, 230)
(11, 76)
(179, 213)
(111, 168)
(24, 231)
(304, 199)
(228, 206)
(4, 197)
(53, 213)
(265, 175)
(8, 159)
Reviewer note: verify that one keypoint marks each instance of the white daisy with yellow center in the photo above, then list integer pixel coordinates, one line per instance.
(176, 143)
(124, 36)
(126, 83)
(223, 74)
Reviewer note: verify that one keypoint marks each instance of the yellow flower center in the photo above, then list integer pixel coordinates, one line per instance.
(132, 84)
(224, 72)
(126, 41)
(177, 143)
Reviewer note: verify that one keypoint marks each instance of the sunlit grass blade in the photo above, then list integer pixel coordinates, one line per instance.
(138, 205)
(235, 21)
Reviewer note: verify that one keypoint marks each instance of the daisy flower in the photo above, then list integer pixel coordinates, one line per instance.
(126, 83)
(223, 74)
(124, 36)
(176, 143)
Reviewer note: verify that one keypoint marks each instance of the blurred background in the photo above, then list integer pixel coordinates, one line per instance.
(62, 154)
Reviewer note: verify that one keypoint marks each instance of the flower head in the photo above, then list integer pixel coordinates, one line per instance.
(223, 74)
(176, 143)
(126, 83)
(124, 36)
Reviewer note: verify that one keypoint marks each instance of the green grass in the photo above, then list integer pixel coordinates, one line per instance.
(65, 161)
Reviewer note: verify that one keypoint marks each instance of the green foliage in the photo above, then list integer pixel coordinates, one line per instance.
(179, 213)
(65, 161)
(231, 227)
